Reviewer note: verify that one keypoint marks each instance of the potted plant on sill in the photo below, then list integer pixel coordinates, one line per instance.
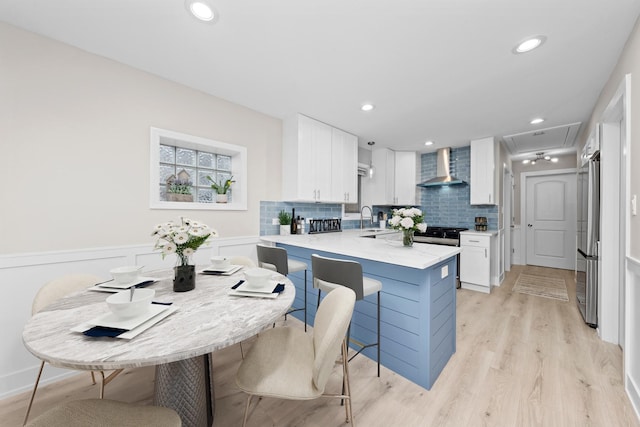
(285, 222)
(221, 188)
(179, 189)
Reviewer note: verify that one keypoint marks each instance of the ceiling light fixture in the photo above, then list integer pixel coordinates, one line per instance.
(540, 156)
(529, 44)
(201, 9)
(367, 107)
(371, 169)
(429, 143)
(537, 121)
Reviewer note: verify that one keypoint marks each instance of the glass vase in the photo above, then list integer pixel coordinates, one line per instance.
(185, 278)
(407, 237)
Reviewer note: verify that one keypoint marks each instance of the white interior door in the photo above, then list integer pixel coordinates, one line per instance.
(551, 220)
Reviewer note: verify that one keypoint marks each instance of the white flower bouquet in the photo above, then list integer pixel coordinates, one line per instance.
(182, 239)
(409, 220)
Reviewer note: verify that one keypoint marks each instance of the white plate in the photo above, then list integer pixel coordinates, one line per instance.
(110, 320)
(269, 287)
(138, 329)
(224, 271)
(115, 285)
(239, 293)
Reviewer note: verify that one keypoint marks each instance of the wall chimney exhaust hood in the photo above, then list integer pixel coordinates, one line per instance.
(442, 169)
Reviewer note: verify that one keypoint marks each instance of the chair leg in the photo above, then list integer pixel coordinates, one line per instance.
(346, 386)
(33, 393)
(378, 334)
(93, 378)
(246, 411)
(241, 350)
(318, 303)
(305, 300)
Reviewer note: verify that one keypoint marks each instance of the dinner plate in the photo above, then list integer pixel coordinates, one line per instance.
(115, 285)
(110, 320)
(222, 271)
(268, 288)
(266, 292)
(138, 329)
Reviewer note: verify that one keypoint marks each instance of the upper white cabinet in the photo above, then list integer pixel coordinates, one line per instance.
(405, 177)
(344, 155)
(484, 183)
(394, 178)
(319, 163)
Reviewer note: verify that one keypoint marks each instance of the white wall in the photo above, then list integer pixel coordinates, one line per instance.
(74, 167)
(74, 134)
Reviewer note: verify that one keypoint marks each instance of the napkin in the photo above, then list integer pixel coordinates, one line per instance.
(103, 331)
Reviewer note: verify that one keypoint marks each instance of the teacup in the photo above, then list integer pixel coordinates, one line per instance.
(257, 278)
(220, 262)
(125, 275)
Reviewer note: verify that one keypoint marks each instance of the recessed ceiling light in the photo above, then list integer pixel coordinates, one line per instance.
(367, 107)
(529, 44)
(428, 143)
(537, 120)
(525, 161)
(554, 160)
(201, 9)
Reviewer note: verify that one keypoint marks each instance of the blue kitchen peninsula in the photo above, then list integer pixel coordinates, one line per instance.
(418, 300)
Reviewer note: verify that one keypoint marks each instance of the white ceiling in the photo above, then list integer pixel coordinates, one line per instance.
(435, 69)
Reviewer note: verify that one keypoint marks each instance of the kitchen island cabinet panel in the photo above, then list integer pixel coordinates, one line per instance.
(417, 312)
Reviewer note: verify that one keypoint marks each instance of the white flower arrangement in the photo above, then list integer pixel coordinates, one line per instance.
(182, 239)
(407, 219)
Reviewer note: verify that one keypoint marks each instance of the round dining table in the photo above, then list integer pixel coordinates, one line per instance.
(206, 319)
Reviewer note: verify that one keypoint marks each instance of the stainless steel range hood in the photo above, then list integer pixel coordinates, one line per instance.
(442, 169)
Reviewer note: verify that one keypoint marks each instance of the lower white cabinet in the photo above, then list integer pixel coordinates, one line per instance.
(475, 260)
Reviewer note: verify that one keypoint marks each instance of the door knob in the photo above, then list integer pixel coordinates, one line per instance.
(529, 225)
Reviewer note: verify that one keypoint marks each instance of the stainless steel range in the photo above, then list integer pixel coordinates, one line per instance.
(448, 236)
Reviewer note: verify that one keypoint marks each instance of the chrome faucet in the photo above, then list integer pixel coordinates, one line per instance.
(362, 216)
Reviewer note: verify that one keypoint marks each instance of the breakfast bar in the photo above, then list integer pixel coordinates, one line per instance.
(418, 301)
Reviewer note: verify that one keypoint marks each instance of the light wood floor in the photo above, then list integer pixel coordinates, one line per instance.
(521, 361)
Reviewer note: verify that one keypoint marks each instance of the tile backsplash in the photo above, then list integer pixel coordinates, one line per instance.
(449, 205)
(443, 206)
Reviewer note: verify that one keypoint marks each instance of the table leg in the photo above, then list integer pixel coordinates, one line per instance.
(186, 386)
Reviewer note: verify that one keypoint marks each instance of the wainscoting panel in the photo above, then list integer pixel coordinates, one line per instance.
(21, 276)
(632, 332)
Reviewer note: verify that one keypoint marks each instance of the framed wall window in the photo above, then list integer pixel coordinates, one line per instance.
(184, 167)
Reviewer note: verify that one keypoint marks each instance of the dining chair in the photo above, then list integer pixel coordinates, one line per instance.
(51, 292)
(276, 259)
(105, 412)
(287, 363)
(332, 273)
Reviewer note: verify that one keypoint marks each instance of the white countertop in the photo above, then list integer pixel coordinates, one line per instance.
(481, 233)
(386, 247)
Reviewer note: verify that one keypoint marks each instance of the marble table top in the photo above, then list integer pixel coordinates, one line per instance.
(207, 319)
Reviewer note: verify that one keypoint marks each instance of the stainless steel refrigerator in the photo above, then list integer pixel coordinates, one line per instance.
(588, 228)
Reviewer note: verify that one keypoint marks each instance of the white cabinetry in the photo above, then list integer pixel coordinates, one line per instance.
(484, 182)
(344, 155)
(405, 177)
(476, 268)
(394, 178)
(319, 163)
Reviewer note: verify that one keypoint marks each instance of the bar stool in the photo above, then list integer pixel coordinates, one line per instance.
(329, 273)
(276, 259)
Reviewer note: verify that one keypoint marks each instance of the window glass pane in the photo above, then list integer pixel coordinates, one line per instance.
(165, 172)
(206, 160)
(163, 193)
(224, 163)
(185, 157)
(202, 177)
(205, 195)
(167, 154)
(222, 177)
